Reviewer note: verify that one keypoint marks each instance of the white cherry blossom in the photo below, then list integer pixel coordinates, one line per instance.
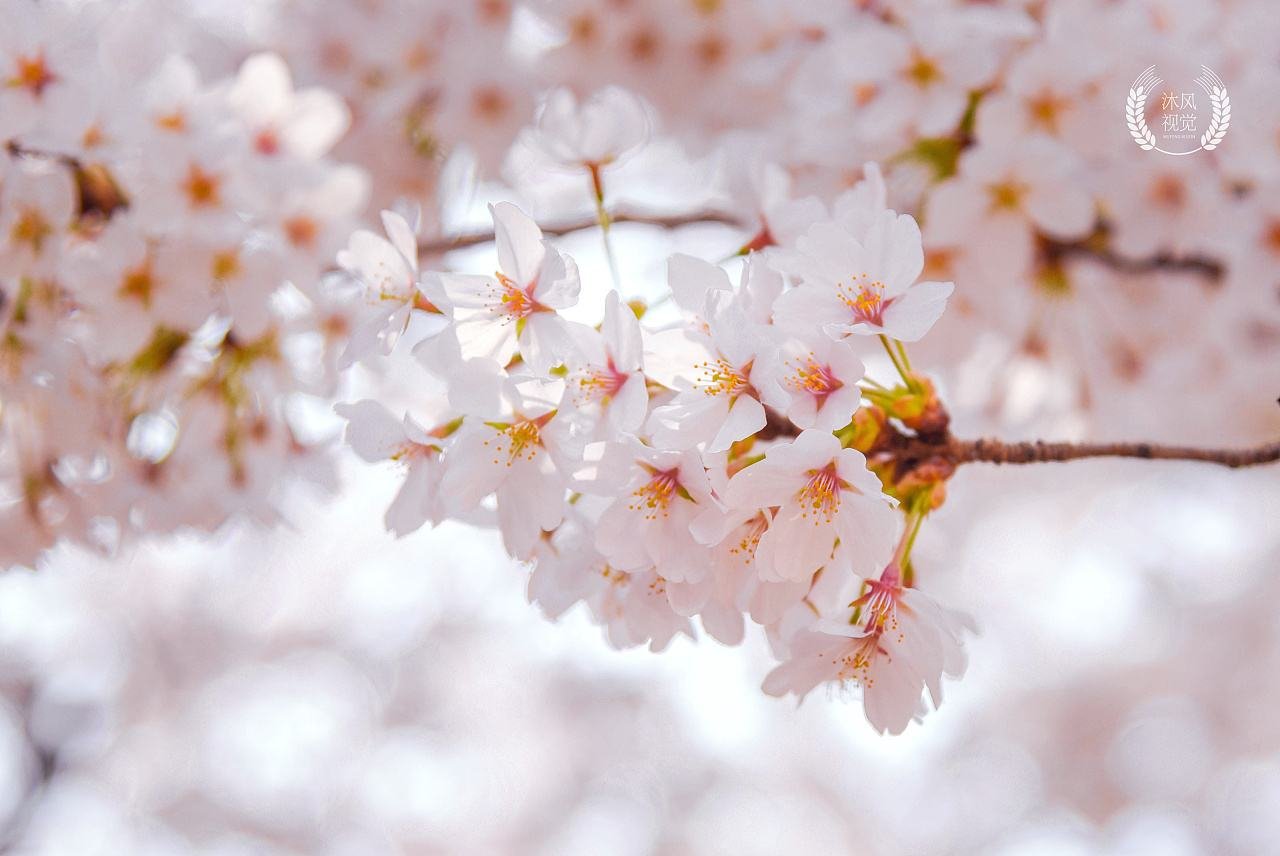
(823, 494)
(516, 309)
(606, 373)
(903, 646)
(510, 445)
(597, 132)
(816, 382)
(861, 282)
(376, 435)
(655, 495)
(718, 402)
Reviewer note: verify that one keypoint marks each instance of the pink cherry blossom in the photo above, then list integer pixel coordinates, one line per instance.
(606, 372)
(855, 282)
(515, 310)
(823, 494)
(902, 648)
(655, 495)
(718, 402)
(600, 131)
(817, 383)
(376, 435)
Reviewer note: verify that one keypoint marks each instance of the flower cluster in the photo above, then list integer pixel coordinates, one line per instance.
(162, 241)
(712, 466)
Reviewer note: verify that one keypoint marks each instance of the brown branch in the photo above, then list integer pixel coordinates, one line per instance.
(1092, 247)
(1035, 452)
(998, 452)
(668, 221)
(909, 451)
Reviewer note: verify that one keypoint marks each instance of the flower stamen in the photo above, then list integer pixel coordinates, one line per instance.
(865, 299)
(820, 496)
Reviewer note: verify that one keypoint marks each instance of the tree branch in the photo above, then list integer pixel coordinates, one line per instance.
(1210, 269)
(1036, 452)
(669, 221)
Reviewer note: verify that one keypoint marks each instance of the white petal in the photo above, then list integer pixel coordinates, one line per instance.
(519, 243)
(373, 433)
(909, 317)
(746, 417)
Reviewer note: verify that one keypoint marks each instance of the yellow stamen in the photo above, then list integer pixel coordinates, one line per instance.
(820, 496)
(201, 188)
(33, 74)
(719, 377)
(865, 299)
(226, 264)
(1007, 195)
(810, 376)
(31, 228)
(654, 497)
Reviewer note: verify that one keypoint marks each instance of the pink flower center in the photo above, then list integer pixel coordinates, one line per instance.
(267, 142)
(858, 658)
(521, 438)
(814, 378)
(820, 496)
(600, 383)
(514, 301)
(865, 299)
(749, 534)
(720, 377)
(654, 497)
(881, 605)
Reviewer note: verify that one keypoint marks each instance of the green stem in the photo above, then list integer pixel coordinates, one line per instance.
(902, 352)
(897, 364)
(602, 217)
(911, 537)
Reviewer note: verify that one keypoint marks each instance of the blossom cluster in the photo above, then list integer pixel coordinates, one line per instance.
(730, 462)
(162, 240)
(705, 467)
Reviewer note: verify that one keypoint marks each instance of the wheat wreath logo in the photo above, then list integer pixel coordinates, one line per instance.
(1180, 114)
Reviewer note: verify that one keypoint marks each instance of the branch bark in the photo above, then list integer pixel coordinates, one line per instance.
(913, 449)
(1036, 452)
(669, 221)
(1203, 266)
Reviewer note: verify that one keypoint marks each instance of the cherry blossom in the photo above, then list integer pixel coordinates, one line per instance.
(823, 494)
(718, 402)
(658, 494)
(606, 372)
(515, 309)
(375, 435)
(904, 647)
(817, 384)
(388, 270)
(855, 282)
(598, 132)
(510, 445)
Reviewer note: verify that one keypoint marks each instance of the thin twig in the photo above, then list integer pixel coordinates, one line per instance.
(1210, 269)
(912, 450)
(1035, 452)
(671, 221)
